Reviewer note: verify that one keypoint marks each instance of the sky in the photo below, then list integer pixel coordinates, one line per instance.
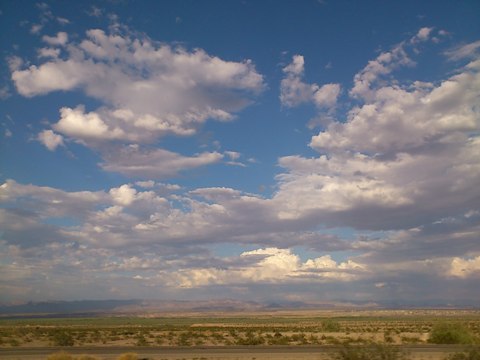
(274, 151)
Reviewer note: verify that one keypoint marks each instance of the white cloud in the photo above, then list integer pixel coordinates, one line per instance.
(293, 91)
(383, 163)
(463, 268)
(4, 92)
(49, 53)
(233, 155)
(269, 265)
(50, 139)
(36, 28)
(399, 120)
(422, 35)
(129, 74)
(77, 124)
(466, 51)
(326, 96)
(376, 71)
(50, 76)
(123, 195)
(405, 160)
(62, 21)
(95, 11)
(50, 202)
(58, 40)
(14, 63)
(149, 90)
(154, 164)
(146, 184)
(383, 65)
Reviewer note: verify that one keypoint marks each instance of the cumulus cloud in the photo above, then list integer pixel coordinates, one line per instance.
(50, 139)
(403, 120)
(148, 90)
(49, 52)
(326, 96)
(270, 265)
(293, 91)
(128, 74)
(422, 35)
(462, 268)
(377, 70)
(77, 124)
(59, 40)
(401, 171)
(383, 65)
(50, 76)
(124, 195)
(388, 156)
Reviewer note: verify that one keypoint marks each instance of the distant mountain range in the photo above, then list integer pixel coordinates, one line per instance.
(125, 307)
(66, 307)
(83, 308)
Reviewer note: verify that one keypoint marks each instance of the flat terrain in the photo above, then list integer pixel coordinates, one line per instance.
(243, 336)
(414, 352)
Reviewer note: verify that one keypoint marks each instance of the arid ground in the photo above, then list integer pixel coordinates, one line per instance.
(241, 336)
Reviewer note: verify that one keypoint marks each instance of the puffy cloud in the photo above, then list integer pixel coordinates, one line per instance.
(50, 139)
(383, 65)
(293, 91)
(334, 188)
(36, 28)
(129, 74)
(465, 267)
(397, 160)
(50, 76)
(422, 35)
(59, 40)
(326, 96)
(49, 53)
(14, 63)
(270, 265)
(376, 71)
(404, 162)
(148, 90)
(402, 120)
(123, 195)
(77, 124)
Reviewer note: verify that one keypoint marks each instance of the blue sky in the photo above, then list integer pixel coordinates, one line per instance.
(261, 150)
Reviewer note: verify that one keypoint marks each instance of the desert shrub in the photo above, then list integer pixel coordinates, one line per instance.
(387, 336)
(330, 326)
(62, 338)
(473, 354)
(60, 356)
(278, 339)
(451, 333)
(141, 341)
(411, 339)
(128, 356)
(251, 339)
(377, 352)
(14, 342)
